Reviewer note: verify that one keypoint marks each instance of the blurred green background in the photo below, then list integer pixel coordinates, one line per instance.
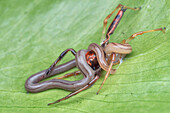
(34, 32)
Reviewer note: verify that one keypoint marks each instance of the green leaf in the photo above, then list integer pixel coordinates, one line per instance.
(34, 32)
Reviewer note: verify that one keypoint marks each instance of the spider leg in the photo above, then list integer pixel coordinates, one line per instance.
(108, 72)
(59, 58)
(115, 21)
(78, 91)
(142, 32)
(69, 75)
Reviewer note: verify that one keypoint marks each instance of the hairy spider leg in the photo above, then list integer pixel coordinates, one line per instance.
(59, 58)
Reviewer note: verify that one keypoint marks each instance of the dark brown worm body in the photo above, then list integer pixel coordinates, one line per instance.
(34, 85)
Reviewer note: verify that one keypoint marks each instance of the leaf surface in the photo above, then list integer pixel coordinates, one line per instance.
(34, 33)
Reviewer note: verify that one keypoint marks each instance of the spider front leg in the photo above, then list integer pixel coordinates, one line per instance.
(78, 91)
(59, 58)
(115, 21)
